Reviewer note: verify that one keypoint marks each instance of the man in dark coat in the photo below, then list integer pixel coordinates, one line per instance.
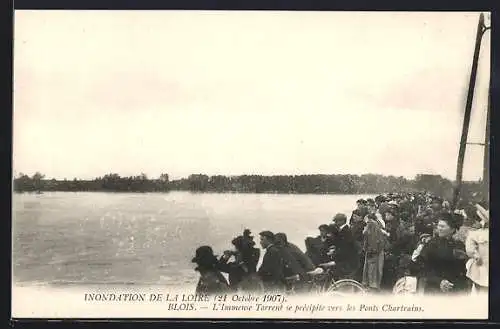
(242, 271)
(296, 262)
(346, 249)
(305, 263)
(393, 252)
(357, 225)
(326, 235)
(316, 251)
(292, 265)
(271, 270)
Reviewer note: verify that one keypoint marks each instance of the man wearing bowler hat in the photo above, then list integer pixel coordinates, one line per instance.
(211, 279)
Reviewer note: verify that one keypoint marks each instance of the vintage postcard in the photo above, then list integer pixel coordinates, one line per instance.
(271, 165)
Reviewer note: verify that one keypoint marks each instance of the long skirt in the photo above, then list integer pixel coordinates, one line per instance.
(390, 275)
(361, 264)
(373, 270)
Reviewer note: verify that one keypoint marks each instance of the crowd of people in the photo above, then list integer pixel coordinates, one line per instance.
(396, 242)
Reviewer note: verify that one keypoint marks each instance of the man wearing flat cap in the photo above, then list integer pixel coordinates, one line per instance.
(271, 270)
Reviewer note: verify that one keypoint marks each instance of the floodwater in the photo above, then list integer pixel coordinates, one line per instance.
(81, 239)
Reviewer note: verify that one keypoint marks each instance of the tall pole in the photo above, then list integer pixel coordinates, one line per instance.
(486, 160)
(468, 106)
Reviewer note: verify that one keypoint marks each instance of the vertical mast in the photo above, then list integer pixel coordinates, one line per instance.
(486, 160)
(468, 107)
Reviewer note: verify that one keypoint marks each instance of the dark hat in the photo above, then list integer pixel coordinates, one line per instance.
(456, 221)
(370, 201)
(281, 237)
(391, 210)
(357, 212)
(311, 242)
(323, 227)
(247, 233)
(340, 217)
(248, 237)
(204, 254)
(427, 229)
(267, 234)
(332, 228)
(362, 201)
(384, 206)
(437, 199)
(238, 242)
(242, 242)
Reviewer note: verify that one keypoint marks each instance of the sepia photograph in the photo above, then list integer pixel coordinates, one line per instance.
(250, 164)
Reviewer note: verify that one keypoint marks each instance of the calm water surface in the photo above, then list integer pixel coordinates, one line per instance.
(147, 238)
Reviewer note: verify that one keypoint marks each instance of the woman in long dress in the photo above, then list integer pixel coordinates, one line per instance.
(477, 248)
(444, 258)
(211, 279)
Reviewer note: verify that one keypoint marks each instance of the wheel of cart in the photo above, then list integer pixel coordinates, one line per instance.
(321, 281)
(343, 287)
(346, 287)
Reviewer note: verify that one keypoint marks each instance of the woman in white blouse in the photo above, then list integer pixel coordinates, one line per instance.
(477, 248)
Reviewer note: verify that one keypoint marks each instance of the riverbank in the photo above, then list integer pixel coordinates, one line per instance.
(278, 184)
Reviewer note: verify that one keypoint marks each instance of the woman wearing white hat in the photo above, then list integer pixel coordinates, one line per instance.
(477, 248)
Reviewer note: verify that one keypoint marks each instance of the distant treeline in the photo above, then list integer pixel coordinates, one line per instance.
(110, 183)
(300, 184)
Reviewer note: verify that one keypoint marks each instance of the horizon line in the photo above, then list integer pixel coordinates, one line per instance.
(16, 175)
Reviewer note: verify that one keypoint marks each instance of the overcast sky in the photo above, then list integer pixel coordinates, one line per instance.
(244, 92)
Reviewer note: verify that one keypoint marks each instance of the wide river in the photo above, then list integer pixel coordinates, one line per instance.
(148, 238)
